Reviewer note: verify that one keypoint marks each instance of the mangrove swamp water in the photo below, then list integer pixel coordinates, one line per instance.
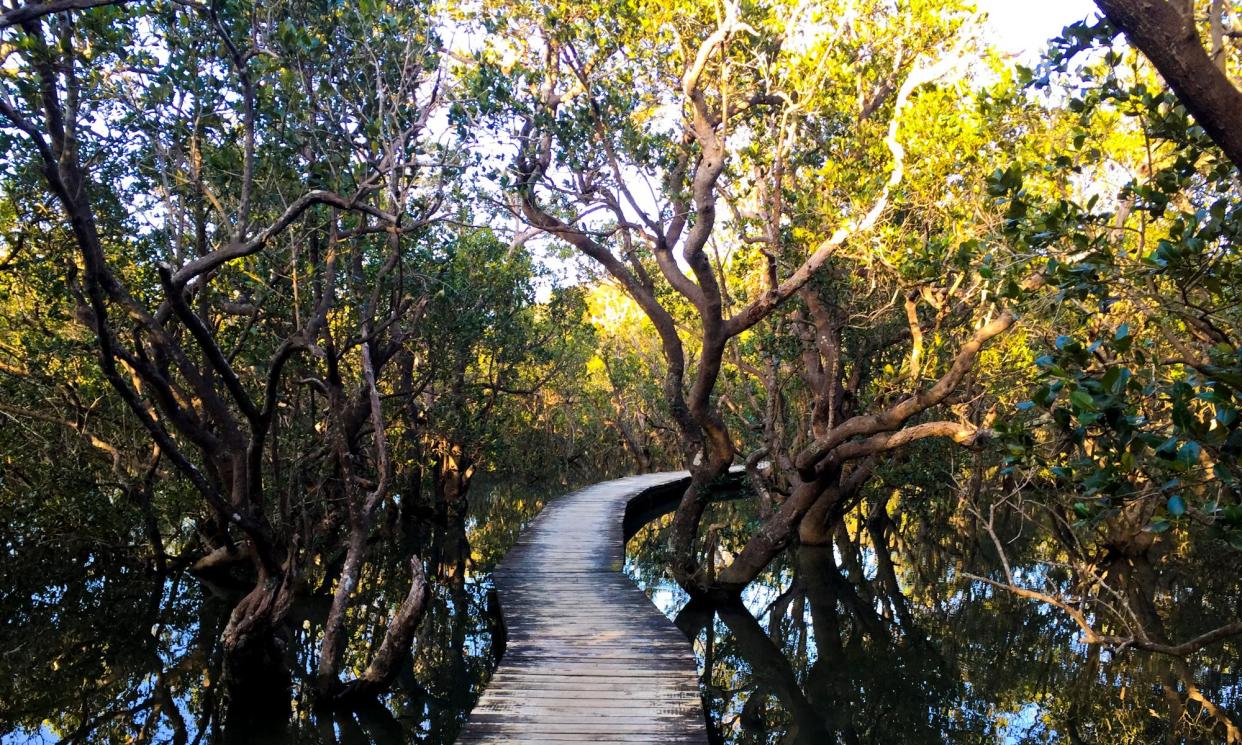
(95, 649)
(844, 644)
(881, 638)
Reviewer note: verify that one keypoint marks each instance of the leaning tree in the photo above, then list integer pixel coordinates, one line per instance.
(723, 164)
(243, 188)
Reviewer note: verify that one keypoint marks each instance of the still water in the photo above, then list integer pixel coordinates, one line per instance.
(879, 638)
(109, 654)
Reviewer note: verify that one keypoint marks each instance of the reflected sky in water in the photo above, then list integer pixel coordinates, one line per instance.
(840, 645)
(876, 639)
(108, 653)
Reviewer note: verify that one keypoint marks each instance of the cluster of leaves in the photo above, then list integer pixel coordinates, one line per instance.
(1125, 434)
(1139, 381)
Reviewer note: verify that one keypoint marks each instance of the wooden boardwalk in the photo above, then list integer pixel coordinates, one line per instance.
(589, 659)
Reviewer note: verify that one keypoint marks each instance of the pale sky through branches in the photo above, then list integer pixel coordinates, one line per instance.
(1024, 27)
(1019, 27)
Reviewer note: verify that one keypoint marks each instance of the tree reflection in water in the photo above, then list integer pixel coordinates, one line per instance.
(844, 644)
(852, 644)
(121, 654)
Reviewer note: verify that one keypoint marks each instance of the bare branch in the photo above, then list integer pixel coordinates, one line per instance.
(34, 11)
(232, 251)
(898, 414)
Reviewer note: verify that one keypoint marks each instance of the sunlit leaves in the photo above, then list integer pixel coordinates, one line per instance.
(1140, 385)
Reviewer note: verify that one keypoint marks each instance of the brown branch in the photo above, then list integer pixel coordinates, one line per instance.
(101, 445)
(898, 414)
(34, 11)
(916, 334)
(666, 326)
(1169, 37)
(962, 434)
(237, 250)
(207, 343)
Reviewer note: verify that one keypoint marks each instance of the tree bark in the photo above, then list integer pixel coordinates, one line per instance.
(1168, 36)
(398, 638)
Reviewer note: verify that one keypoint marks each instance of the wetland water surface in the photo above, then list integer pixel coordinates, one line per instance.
(882, 637)
(107, 653)
(842, 644)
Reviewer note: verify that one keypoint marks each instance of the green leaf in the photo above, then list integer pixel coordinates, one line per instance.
(1188, 454)
(1083, 401)
(1122, 339)
(1115, 379)
(1176, 506)
(1167, 449)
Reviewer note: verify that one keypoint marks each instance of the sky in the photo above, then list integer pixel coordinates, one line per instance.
(1023, 27)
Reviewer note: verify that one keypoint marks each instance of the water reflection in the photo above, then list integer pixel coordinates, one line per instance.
(96, 648)
(879, 638)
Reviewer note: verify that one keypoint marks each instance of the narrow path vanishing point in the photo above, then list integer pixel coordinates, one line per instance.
(589, 658)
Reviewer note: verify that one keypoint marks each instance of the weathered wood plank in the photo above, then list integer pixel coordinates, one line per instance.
(589, 658)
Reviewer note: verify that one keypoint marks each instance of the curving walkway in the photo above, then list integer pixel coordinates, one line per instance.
(589, 659)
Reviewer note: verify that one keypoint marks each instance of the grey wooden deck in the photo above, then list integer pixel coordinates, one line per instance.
(589, 658)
